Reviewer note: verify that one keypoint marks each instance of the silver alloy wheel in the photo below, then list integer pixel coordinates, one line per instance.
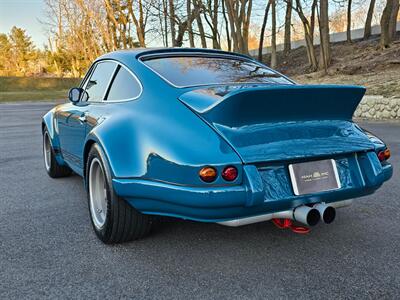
(47, 151)
(97, 193)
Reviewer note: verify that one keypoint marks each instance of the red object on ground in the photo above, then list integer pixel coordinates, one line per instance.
(287, 223)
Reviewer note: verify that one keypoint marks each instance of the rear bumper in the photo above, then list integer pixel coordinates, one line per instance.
(263, 191)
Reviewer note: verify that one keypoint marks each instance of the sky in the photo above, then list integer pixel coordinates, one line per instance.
(25, 14)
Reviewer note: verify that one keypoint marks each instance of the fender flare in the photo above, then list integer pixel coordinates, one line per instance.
(48, 122)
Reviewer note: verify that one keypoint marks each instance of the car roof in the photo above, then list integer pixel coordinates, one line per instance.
(125, 56)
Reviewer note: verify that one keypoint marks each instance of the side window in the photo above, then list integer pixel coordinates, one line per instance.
(124, 86)
(98, 82)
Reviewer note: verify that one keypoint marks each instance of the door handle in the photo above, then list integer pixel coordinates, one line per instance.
(83, 118)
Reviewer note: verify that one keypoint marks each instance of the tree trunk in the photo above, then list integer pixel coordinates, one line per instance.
(312, 25)
(214, 20)
(228, 38)
(246, 25)
(312, 58)
(348, 31)
(211, 11)
(393, 19)
(230, 11)
(308, 32)
(385, 21)
(264, 24)
(288, 23)
(141, 30)
(368, 21)
(183, 26)
(165, 19)
(139, 22)
(324, 35)
(172, 21)
(201, 32)
(273, 36)
(190, 28)
(239, 12)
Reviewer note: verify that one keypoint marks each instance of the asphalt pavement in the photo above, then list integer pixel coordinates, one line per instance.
(49, 250)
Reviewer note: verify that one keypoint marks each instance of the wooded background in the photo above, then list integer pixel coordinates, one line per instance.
(81, 30)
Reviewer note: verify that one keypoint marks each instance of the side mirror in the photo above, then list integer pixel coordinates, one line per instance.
(75, 94)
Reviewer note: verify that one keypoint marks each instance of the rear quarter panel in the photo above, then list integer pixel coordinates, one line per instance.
(158, 138)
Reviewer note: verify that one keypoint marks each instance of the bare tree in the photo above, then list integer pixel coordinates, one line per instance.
(368, 21)
(81, 34)
(273, 34)
(393, 19)
(239, 12)
(171, 7)
(348, 30)
(385, 22)
(262, 34)
(201, 32)
(312, 18)
(179, 24)
(165, 19)
(190, 28)
(126, 17)
(228, 36)
(140, 21)
(118, 14)
(288, 23)
(308, 27)
(324, 34)
(211, 17)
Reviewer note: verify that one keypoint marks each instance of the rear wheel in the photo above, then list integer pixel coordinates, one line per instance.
(53, 168)
(113, 219)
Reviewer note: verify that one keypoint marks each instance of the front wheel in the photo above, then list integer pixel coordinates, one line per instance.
(113, 219)
(53, 168)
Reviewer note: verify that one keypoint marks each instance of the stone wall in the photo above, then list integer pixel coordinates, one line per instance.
(378, 108)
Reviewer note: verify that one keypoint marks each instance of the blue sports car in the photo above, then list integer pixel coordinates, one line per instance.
(209, 136)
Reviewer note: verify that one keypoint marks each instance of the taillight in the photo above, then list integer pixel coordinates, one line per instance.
(384, 155)
(208, 174)
(229, 173)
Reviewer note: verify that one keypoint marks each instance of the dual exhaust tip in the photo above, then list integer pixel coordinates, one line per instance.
(312, 215)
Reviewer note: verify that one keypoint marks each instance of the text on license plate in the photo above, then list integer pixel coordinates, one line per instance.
(314, 176)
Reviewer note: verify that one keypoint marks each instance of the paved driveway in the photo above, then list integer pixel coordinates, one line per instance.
(48, 249)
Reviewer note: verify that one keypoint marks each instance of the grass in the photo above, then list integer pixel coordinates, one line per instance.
(35, 88)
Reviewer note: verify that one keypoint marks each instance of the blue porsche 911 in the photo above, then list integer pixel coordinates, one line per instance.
(209, 136)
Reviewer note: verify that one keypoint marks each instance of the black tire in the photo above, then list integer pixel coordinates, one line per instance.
(53, 168)
(122, 223)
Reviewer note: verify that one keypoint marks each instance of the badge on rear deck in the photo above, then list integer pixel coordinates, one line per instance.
(314, 176)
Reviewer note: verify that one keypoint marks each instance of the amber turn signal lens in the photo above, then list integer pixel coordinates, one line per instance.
(208, 174)
(229, 173)
(387, 153)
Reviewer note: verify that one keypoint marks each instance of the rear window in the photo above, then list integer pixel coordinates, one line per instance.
(184, 71)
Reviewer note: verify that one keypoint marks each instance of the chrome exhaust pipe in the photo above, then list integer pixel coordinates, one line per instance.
(289, 214)
(307, 215)
(328, 213)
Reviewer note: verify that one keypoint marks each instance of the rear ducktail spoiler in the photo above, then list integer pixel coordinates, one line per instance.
(236, 106)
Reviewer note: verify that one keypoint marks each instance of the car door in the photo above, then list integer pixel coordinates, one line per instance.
(72, 120)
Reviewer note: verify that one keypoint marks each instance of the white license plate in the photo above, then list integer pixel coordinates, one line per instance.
(314, 176)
